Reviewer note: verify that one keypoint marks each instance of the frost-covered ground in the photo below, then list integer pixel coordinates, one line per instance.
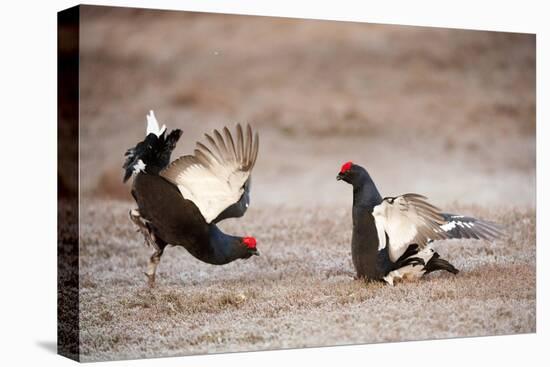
(298, 293)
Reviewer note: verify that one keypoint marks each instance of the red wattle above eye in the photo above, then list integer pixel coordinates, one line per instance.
(250, 242)
(346, 167)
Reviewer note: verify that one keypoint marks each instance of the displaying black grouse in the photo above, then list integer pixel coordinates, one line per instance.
(391, 236)
(180, 203)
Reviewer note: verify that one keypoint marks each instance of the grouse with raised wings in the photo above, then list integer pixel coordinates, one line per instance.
(180, 203)
(391, 236)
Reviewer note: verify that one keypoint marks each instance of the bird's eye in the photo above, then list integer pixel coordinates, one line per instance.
(390, 200)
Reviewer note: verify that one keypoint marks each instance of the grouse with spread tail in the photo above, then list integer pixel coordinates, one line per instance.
(180, 203)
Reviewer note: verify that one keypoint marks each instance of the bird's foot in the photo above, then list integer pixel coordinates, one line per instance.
(154, 261)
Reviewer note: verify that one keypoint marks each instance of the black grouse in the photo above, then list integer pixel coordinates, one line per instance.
(391, 236)
(180, 203)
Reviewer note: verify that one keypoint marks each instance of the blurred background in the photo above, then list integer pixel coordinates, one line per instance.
(443, 112)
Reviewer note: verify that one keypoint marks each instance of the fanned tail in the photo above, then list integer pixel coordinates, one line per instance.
(153, 153)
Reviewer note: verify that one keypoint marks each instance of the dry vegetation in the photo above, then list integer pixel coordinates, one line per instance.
(446, 113)
(298, 293)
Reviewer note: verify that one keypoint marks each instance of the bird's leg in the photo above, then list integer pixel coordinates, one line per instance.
(142, 227)
(154, 261)
(151, 240)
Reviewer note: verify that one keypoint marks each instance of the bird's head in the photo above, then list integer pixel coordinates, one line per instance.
(250, 244)
(365, 192)
(349, 173)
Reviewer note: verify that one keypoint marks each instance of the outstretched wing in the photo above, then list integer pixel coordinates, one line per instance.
(214, 177)
(460, 226)
(407, 219)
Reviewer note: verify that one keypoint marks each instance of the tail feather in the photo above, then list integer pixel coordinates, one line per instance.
(407, 258)
(153, 125)
(166, 146)
(153, 153)
(136, 158)
(437, 263)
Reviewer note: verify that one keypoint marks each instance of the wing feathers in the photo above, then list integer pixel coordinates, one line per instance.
(204, 159)
(240, 143)
(215, 175)
(457, 226)
(255, 149)
(248, 145)
(408, 219)
(221, 145)
(230, 142)
(217, 150)
(204, 151)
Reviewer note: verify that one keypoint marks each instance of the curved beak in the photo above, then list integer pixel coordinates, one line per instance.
(254, 252)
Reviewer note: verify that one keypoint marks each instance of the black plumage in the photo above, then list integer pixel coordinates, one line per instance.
(369, 263)
(408, 257)
(154, 151)
(374, 262)
(437, 263)
(238, 209)
(177, 221)
(173, 197)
